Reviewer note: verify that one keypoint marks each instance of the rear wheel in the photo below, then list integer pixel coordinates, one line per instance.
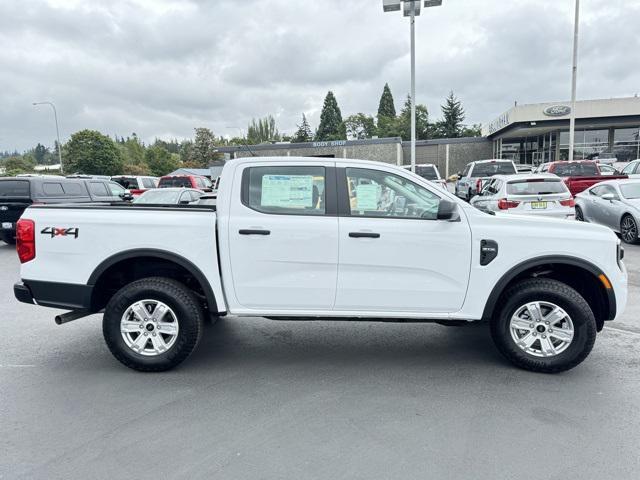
(544, 326)
(153, 324)
(579, 214)
(629, 229)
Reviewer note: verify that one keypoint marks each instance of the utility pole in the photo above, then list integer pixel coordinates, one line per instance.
(574, 78)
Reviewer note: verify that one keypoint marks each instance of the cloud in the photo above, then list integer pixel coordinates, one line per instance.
(162, 67)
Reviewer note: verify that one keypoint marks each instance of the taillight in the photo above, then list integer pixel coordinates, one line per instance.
(504, 204)
(478, 185)
(26, 240)
(568, 203)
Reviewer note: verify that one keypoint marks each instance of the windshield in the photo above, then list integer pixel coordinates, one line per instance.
(576, 169)
(493, 168)
(630, 191)
(428, 172)
(169, 197)
(14, 188)
(536, 187)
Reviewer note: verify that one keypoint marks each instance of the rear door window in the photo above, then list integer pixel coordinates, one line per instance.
(285, 190)
(14, 188)
(52, 189)
(73, 190)
(99, 189)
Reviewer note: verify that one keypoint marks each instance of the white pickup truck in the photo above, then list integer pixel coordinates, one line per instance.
(327, 239)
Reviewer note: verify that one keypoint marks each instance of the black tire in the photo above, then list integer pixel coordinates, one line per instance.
(469, 195)
(559, 294)
(579, 214)
(8, 238)
(629, 230)
(179, 298)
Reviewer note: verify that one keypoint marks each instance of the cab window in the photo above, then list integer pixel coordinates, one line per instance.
(630, 169)
(374, 193)
(285, 190)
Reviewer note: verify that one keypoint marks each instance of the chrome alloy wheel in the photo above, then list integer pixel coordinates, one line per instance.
(629, 229)
(149, 327)
(541, 329)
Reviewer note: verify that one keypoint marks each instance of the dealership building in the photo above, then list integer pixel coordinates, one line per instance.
(531, 134)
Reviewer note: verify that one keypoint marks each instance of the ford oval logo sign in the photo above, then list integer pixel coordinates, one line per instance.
(557, 111)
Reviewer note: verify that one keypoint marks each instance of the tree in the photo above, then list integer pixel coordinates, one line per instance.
(263, 130)
(39, 153)
(203, 151)
(90, 152)
(331, 126)
(304, 133)
(453, 116)
(360, 126)
(160, 161)
(403, 123)
(18, 164)
(474, 130)
(386, 107)
(131, 150)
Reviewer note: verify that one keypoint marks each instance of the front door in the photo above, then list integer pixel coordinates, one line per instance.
(283, 237)
(395, 256)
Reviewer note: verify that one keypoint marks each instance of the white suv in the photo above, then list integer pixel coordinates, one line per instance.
(476, 175)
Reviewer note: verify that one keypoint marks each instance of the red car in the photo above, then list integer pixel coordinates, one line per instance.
(579, 175)
(187, 181)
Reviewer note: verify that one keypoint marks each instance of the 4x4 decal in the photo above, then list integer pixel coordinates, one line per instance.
(60, 232)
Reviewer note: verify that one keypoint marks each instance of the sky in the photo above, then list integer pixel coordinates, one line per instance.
(161, 68)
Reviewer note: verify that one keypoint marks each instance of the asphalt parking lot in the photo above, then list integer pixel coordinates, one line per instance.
(263, 399)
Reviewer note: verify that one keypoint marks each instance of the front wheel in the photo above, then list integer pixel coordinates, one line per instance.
(544, 326)
(629, 230)
(153, 324)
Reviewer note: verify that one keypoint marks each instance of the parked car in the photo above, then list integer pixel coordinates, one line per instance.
(137, 185)
(476, 174)
(18, 193)
(526, 194)
(613, 203)
(324, 238)
(580, 174)
(430, 172)
(169, 196)
(186, 181)
(632, 169)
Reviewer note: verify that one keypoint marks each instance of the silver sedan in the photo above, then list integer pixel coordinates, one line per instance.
(615, 204)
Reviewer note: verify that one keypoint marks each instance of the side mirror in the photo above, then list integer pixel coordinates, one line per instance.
(609, 196)
(448, 210)
(126, 196)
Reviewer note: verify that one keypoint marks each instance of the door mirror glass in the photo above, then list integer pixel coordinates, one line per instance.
(448, 210)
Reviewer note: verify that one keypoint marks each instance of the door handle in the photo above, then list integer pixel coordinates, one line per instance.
(254, 232)
(364, 235)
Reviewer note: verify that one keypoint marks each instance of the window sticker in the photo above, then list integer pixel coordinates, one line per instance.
(287, 191)
(367, 196)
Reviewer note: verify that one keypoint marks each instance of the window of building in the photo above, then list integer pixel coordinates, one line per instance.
(626, 144)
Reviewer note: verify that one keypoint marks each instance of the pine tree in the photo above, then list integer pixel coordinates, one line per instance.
(386, 108)
(453, 116)
(304, 133)
(403, 122)
(331, 126)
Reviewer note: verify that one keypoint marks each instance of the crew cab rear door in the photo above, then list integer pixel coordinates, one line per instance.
(395, 256)
(283, 236)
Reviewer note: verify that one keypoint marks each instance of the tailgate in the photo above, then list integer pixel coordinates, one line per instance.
(10, 212)
(580, 184)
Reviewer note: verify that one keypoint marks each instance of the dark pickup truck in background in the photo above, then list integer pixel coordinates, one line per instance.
(579, 175)
(18, 193)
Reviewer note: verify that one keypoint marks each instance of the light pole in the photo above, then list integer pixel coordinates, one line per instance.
(411, 9)
(574, 78)
(55, 116)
